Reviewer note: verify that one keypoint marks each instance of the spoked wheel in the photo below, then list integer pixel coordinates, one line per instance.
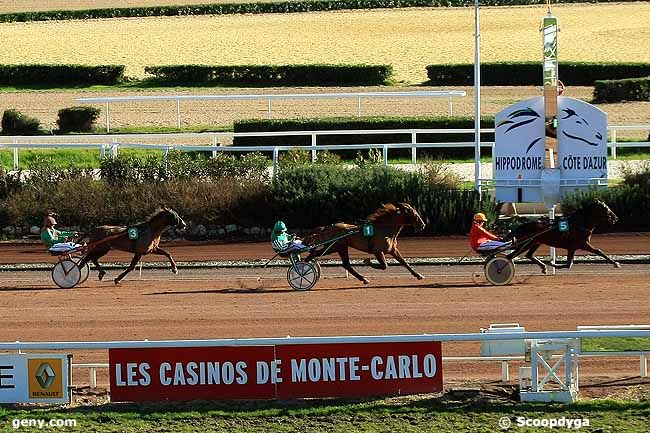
(85, 271)
(303, 276)
(66, 274)
(317, 266)
(499, 270)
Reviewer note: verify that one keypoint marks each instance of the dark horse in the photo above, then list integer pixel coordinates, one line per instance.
(147, 241)
(388, 221)
(578, 236)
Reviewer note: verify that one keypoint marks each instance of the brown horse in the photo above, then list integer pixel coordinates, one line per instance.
(578, 236)
(388, 221)
(148, 238)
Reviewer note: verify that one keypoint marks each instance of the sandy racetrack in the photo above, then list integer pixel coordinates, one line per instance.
(227, 303)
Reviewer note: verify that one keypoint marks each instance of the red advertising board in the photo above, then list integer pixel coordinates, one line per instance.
(268, 372)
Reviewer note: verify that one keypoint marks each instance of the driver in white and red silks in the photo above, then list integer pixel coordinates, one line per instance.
(481, 239)
(58, 241)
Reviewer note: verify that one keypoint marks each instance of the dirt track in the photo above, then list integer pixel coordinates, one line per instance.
(223, 303)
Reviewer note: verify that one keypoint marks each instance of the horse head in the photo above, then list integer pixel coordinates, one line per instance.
(599, 213)
(577, 128)
(171, 218)
(411, 216)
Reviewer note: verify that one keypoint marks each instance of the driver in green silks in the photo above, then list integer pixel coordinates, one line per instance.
(58, 241)
(285, 243)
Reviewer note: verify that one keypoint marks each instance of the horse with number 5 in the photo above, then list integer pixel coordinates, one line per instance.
(387, 222)
(140, 239)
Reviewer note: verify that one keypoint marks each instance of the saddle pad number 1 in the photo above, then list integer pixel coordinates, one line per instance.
(368, 230)
(133, 233)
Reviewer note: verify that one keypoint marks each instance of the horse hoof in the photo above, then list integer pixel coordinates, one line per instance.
(117, 281)
(175, 271)
(545, 271)
(419, 277)
(101, 275)
(365, 281)
(617, 265)
(367, 262)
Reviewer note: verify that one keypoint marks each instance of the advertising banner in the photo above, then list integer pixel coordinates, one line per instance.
(519, 150)
(582, 141)
(275, 372)
(27, 378)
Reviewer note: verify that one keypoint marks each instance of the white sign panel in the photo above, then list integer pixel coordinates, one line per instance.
(582, 141)
(519, 150)
(34, 378)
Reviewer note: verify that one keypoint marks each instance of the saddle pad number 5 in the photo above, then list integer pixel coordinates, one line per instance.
(133, 233)
(563, 225)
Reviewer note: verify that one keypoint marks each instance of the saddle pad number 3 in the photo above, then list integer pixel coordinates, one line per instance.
(133, 233)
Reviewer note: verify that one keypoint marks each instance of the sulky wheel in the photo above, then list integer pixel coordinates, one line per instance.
(85, 271)
(66, 274)
(499, 270)
(302, 276)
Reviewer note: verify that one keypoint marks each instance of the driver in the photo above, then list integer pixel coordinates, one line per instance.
(482, 240)
(285, 243)
(58, 241)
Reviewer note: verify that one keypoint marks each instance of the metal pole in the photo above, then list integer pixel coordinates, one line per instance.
(414, 150)
(313, 144)
(451, 107)
(553, 252)
(270, 108)
(178, 113)
(359, 108)
(275, 162)
(477, 98)
(385, 155)
(613, 144)
(108, 117)
(15, 158)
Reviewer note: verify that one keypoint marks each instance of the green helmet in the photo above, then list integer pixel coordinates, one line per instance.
(279, 227)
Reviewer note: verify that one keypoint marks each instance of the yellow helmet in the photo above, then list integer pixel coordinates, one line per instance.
(480, 217)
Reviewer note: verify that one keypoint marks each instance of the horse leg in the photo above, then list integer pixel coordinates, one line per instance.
(590, 248)
(530, 255)
(136, 259)
(94, 255)
(569, 260)
(381, 259)
(162, 252)
(345, 259)
(395, 253)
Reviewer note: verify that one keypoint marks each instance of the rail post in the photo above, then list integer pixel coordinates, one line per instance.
(451, 107)
(108, 116)
(414, 150)
(643, 365)
(276, 162)
(384, 154)
(215, 143)
(613, 144)
(15, 155)
(313, 147)
(102, 151)
(359, 108)
(178, 113)
(269, 109)
(505, 372)
(92, 377)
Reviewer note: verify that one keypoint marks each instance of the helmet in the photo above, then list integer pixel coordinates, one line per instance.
(279, 227)
(480, 217)
(50, 221)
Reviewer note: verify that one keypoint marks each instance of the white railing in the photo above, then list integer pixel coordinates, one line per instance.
(449, 94)
(112, 142)
(642, 331)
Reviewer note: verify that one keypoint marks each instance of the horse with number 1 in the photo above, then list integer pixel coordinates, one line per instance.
(377, 235)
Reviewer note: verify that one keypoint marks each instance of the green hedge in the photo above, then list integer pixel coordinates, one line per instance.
(61, 75)
(16, 123)
(530, 73)
(630, 89)
(271, 75)
(443, 122)
(77, 119)
(254, 8)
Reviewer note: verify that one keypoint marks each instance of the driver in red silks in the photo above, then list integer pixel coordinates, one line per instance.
(482, 240)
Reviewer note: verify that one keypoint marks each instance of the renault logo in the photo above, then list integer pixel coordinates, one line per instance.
(45, 375)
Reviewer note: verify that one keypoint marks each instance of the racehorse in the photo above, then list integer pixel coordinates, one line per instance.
(387, 221)
(148, 238)
(578, 236)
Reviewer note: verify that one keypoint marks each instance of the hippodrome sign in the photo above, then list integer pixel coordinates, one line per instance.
(34, 379)
(519, 148)
(275, 372)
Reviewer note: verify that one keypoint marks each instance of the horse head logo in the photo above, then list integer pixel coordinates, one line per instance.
(579, 129)
(519, 118)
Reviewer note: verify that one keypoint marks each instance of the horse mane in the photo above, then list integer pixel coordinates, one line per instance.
(383, 211)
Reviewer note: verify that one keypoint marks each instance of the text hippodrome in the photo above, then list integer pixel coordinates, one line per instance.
(302, 370)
